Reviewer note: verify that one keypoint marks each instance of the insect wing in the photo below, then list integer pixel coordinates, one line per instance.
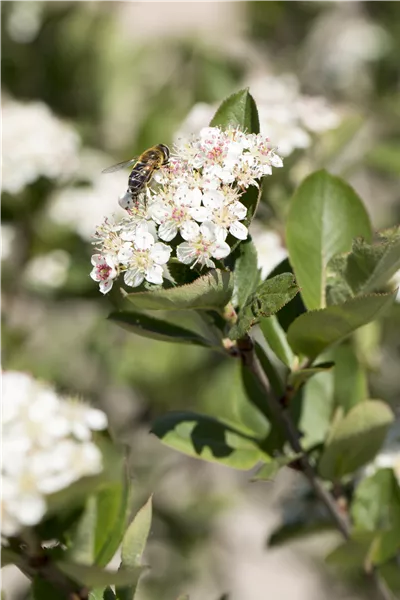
(121, 165)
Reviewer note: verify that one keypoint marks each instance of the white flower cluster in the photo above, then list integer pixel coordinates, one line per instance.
(35, 144)
(198, 197)
(289, 117)
(47, 445)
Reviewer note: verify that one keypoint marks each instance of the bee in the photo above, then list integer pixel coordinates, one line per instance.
(143, 168)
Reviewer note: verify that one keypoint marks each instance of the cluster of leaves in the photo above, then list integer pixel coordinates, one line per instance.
(341, 273)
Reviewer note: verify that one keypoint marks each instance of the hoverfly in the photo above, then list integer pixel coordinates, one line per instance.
(143, 170)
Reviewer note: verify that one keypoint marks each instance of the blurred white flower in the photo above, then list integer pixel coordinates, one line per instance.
(24, 21)
(47, 445)
(81, 207)
(8, 235)
(270, 251)
(341, 44)
(35, 144)
(286, 116)
(48, 270)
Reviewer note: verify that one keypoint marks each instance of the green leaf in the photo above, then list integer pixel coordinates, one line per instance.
(288, 532)
(133, 546)
(316, 408)
(98, 534)
(356, 439)
(269, 470)
(275, 337)
(376, 508)
(314, 331)
(111, 517)
(207, 438)
(95, 577)
(350, 556)
(108, 594)
(298, 378)
(350, 378)
(370, 266)
(325, 216)
(135, 538)
(212, 291)
(246, 272)
(268, 299)
(295, 307)
(238, 110)
(156, 329)
(390, 574)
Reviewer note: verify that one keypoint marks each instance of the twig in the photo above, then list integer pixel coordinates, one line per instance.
(279, 410)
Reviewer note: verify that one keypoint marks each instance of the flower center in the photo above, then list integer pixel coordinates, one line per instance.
(179, 214)
(140, 260)
(103, 271)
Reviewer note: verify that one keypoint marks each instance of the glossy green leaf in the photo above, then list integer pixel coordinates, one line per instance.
(275, 336)
(295, 307)
(356, 439)
(94, 576)
(156, 329)
(325, 216)
(246, 272)
(209, 292)
(207, 438)
(349, 557)
(268, 299)
(238, 110)
(133, 546)
(298, 378)
(314, 331)
(350, 378)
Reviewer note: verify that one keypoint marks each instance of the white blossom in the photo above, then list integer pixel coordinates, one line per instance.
(104, 271)
(48, 270)
(197, 196)
(35, 144)
(47, 445)
(286, 116)
(202, 244)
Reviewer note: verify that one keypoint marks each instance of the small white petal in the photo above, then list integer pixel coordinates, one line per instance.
(207, 230)
(239, 230)
(276, 160)
(31, 509)
(96, 419)
(189, 230)
(160, 253)
(97, 259)
(133, 277)
(143, 240)
(213, 199)
(155, 274)
(220, 250)
(94, 274)
(186, 253)
(105, 286)
(167, 231)
(159, 211)
(238, 209)
(200, 213)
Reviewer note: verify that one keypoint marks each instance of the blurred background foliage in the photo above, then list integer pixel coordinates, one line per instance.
(86, 84)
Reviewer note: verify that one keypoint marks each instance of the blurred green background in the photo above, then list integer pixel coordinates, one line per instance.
(86, 84)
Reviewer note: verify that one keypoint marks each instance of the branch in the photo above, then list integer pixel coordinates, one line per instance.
(278, 408)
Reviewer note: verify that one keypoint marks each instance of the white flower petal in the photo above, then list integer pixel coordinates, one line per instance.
(143, 240)
(238, 230)
(189, 230)
(160, 253)
(133, 277)
(186, 253)
(238, 209)
(213, 199)
(220, 250)
(155, 274)
(105, 286)
(167, 231)
(97, 259)
(200, 213)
